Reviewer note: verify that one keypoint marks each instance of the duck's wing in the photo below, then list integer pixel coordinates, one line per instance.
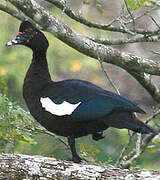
(83, 101)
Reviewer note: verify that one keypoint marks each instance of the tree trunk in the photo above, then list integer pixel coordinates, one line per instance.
(28, 167)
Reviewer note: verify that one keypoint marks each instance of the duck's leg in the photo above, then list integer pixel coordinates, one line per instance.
(75, 156)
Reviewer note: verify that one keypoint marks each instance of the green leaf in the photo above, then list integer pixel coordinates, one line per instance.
(136, 4)
(15, 123)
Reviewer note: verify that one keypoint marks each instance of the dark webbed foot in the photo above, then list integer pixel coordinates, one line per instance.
(97, 136)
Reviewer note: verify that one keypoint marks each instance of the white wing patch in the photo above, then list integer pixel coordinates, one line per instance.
(58, 109)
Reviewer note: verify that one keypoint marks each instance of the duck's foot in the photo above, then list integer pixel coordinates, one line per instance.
(77, 159)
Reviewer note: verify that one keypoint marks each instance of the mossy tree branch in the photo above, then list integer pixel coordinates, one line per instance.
(37, 167)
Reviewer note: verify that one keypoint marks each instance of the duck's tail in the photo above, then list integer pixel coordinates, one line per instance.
(128, 120)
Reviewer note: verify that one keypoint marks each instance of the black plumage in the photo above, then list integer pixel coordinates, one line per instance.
(71, 108)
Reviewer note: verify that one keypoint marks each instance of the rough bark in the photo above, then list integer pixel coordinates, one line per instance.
(37, 167)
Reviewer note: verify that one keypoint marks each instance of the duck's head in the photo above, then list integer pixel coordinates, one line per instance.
(30, 36)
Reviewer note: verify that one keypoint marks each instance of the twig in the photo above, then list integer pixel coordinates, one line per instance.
(55, 136)
(154, 115)
(40, 129)
(134, 155)
(125, 149)
(133, 21)
(109, 27)
(146, 83)
(109, 79)
(63, 10)
(154, 21)
(121, 21)
(107, 76)
(155, 3)
(143, 14)
(154, 52)
(138, 144)
(112, 22)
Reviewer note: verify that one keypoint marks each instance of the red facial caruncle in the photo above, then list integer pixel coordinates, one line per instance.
(28, 31)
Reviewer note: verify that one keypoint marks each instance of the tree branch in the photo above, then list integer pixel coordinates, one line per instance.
(154, 115)
(20, 16)
(135, 154)
(142, 146)
(83, 44)
(37, 167)
(142, 15)
(109, 27)
(17, 14)
(125, 148)
(133, 64)
(145, 81)
(134, 39)
(126, 161)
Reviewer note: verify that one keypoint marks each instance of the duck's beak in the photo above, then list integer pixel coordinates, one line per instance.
(16, 40)
(19, 39)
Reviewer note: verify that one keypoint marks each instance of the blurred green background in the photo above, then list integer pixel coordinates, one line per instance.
(64, 63)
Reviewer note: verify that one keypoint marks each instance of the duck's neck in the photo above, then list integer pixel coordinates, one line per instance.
(38, 73)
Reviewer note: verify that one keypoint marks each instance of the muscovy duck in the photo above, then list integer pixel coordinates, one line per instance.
(72, 108)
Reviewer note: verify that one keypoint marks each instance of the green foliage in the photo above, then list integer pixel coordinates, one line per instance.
(15, 123)
(3, 85)
(136, 4)
(89, 152)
